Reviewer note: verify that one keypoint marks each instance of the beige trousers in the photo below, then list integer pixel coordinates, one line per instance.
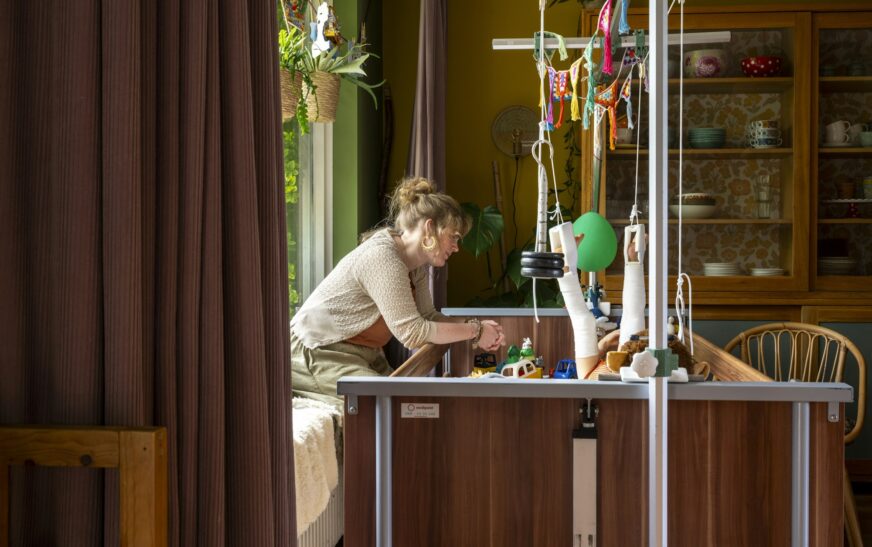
(314, 372)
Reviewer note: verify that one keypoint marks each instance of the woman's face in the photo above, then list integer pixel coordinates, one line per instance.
(449, 243)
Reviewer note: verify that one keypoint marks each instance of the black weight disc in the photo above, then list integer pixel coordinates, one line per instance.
(541, 272)
(542, 262)
(533, 254)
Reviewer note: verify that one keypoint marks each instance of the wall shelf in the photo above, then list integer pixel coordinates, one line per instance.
(845, 84)
(729, 86)
(726, 221)
(709, 153)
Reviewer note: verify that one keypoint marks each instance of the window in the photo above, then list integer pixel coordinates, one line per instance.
(308, 206)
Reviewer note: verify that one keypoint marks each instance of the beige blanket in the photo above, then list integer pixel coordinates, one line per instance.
(315, 464)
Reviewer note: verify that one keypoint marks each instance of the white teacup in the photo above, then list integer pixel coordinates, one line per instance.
(838, 132)
(854, 133)
(766, 132)
(765, 124)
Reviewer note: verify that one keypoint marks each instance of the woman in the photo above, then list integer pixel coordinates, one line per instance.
(381, 289)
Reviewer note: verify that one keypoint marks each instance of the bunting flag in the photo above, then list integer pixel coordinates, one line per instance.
(603, 24)
(560, 90)
(623, 26)
(590, 66)
(574, 72)
(608, 99)
(627, 95)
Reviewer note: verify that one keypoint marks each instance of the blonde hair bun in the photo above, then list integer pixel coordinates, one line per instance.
(410, 189)
(416, 199)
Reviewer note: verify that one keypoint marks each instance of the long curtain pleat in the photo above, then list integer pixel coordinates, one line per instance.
(143, 274)
(427, 142)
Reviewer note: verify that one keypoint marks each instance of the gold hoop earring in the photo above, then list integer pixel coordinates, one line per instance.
(428, 243)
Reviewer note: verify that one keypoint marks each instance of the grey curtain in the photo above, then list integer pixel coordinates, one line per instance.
(427, 142)
(143, 276)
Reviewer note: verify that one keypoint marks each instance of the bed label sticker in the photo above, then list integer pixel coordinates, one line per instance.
(419, 410)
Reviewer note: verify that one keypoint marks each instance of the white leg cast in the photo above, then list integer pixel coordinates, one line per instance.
(583, 322)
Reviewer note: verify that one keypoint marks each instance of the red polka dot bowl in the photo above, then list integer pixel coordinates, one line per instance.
(761, 66)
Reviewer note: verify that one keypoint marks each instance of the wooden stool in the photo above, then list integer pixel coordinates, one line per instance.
(140, 454)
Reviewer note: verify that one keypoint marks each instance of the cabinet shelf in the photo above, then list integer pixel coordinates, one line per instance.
(766, 221)
(712, 153)
(845, 84)
(729, 86)
(848, 151)
(845, 221)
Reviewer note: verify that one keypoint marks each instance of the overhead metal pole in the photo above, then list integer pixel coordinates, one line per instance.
(658, 177)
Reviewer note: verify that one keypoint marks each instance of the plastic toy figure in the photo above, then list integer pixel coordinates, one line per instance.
(484, 363)
(527, 349)
(565, 370)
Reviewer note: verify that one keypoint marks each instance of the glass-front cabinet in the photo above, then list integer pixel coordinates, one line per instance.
(841, 250)
(743, 133)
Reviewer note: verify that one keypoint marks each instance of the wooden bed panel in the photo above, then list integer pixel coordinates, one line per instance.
(550, 339)
(827, 455)
(359, 470)
(498, 472)
(688, 469)
(440, 485)
(622, 454)
(750, 455)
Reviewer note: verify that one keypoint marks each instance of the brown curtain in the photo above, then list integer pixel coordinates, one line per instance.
(427, 142)
(143, 276)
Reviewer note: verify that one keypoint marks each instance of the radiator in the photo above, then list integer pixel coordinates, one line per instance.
(327, 529)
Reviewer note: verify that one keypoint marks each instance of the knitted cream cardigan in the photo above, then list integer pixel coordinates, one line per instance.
(369, 281)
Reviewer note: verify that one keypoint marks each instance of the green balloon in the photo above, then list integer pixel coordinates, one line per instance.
(600, 244)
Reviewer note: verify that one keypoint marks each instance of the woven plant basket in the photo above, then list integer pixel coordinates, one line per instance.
(292, 88)
(321, 104)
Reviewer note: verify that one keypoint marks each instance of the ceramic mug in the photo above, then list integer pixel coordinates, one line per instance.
(854, 132)
(867, 188)
(866, 139)
(765, 142)
(837, 132)
(766, 132)
(765, 124)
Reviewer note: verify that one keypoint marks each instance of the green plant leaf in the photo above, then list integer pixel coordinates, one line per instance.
(487, 225)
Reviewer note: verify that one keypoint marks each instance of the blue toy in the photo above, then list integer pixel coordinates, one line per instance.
(565, 370)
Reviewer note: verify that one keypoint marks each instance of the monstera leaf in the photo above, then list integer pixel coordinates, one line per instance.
(487, 225)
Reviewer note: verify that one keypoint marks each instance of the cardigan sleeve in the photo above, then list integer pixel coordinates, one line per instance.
(385, 278)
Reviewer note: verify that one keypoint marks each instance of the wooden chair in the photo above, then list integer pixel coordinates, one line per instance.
(139, 454)
(422, 361)
(808, 353)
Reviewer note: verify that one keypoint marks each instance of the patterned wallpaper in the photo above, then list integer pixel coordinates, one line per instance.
(839, 49)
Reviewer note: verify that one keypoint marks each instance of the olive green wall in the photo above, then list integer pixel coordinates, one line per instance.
(356, 137)
(481, 82)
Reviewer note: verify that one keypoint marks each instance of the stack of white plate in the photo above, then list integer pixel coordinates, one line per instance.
(837, 265)
(761, 272)
(721, 268)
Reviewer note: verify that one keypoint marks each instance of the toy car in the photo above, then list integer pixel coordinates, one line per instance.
(484, 363)
(522, 369)
(565, 370)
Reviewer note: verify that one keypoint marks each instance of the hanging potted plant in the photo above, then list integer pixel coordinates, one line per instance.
(316, 64)
(292, 52)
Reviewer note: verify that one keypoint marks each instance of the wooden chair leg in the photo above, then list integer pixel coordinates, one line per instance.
(142, 466)
(852, 524)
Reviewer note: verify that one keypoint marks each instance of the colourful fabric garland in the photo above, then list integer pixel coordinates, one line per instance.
(574, 71)
(603, 24)
(623, 26)
(608, 98)
(590, 66)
